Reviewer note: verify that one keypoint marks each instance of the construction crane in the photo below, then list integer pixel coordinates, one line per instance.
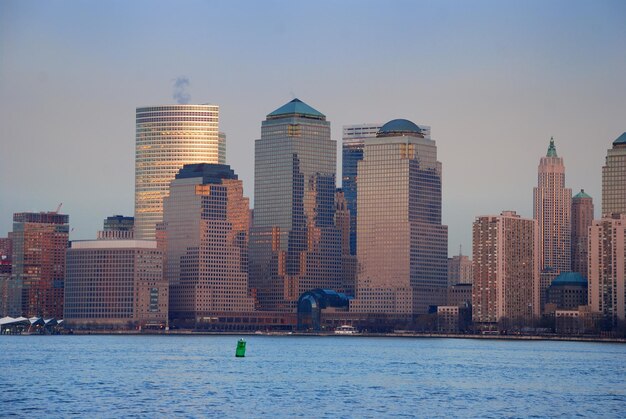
(58, 208)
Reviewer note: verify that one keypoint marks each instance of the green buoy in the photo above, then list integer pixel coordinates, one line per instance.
(241, 349)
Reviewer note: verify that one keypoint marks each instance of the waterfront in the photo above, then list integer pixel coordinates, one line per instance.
(195, 376)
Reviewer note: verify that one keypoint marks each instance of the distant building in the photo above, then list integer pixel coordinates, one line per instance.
(459, 270)
(205, 228)
(115, 284)
(39, 244)
(402, 246)
(352, 153)
(118, 227)
(6, 250)
(294, 244)
(167, 137)
(506, 270)
(459, 294)
(614, 179)
(607, 267)
(348, 260)
(453, 319)
(568, 291)
(582, 218)
(552, 210)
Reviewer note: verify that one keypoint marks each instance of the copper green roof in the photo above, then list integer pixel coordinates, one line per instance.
(399, 127)
(620, 140)
(551, 149)
(296, 108)
(581, 194)
(570, 278)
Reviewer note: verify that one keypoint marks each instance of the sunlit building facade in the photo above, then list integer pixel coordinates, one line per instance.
(582, 218)
(115, 283)
(607, 267)
(294, 244)
(614, 179)
(205, 229)
(168, 137)
(39, 244)
(552, 210)
(459, 270)
(506, 269)
(402, 247)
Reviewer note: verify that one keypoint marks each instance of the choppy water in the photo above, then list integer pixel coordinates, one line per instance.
(198, 376)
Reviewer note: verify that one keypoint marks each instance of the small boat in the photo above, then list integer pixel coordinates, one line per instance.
(346, 330)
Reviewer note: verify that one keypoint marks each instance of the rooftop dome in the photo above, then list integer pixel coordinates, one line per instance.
(581, 194)
(398, 128)
(570, 278)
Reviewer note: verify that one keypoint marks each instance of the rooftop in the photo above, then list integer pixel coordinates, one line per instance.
(296, 108)
(621, 140)
(582, 194)
(570, 278)
(399, 128)
(209, 172)
(551, 149)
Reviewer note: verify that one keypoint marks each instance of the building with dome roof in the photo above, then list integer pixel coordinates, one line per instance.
(567, 291)
(614, 179)
(402, 247)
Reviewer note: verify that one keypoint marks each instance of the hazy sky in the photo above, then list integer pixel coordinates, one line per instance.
(494, 80)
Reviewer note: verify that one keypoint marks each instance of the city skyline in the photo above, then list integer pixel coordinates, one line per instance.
(494, 87)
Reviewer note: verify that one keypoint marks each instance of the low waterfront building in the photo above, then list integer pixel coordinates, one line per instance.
(459, 294)
(567, 291)
(115, 284)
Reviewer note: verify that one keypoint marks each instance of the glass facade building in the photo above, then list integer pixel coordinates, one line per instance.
(402, 247)
(205, 234)
(614, 179)
(294, 244)
(168, 137)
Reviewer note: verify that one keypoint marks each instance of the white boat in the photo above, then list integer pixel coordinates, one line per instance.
(346, 330)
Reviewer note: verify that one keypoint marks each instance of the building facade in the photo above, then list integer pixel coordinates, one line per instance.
(568, 291)
(294, 244)
(205, 229)
(552, 210)
(115, 284)
(168, 137)
(607, 267)
(614, 179)
(506, 270)
(459, 270)
(39, 244)
(582, 218)
(352, 153)
(402, 246)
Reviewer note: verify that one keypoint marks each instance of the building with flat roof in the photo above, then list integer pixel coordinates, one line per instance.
(40, 240)
(205, 231)
(459, 270)
(402, 247)
(168, 137)
(115, 284)
(506, 270)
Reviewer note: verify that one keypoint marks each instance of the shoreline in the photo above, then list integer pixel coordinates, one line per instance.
(596, 339)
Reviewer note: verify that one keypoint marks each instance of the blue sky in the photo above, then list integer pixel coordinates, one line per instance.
(493, 79)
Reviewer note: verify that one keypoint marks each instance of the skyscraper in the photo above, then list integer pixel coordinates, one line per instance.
(205, 228)
(582, 218)
(352, 153)
(607, 267)
(459, 269)
(506, 269)
(402, 247)
(39, 244)
(294, 244)
(614, 179)
(552, 210)
(167, 137)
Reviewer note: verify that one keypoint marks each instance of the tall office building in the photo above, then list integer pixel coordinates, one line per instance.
(614, 179)
(607, 267)
(552, 210)
(168, 137)
(352, 153)
(506, 269)
(6, 251)
(582, 218)
(205, 228)
(39, 244)
(402, 247)
(459, 269)
(294, 244)
(348, 260)
(115, 283)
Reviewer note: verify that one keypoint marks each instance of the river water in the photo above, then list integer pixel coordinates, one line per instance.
(293, 376)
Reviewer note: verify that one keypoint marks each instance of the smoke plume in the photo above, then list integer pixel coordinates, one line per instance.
(181, 95)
